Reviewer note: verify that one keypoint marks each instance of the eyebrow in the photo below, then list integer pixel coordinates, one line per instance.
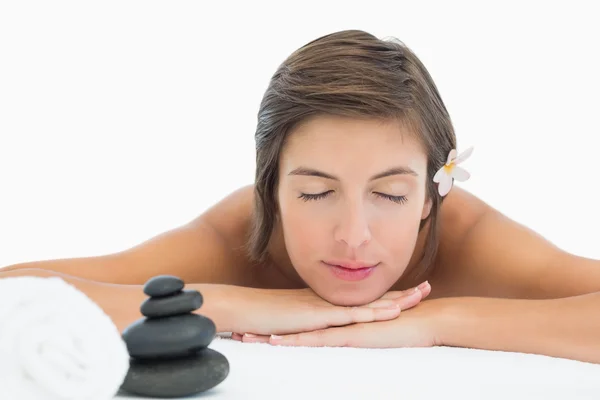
(401, 170)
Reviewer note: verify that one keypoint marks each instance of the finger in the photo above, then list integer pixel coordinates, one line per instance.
(425, 287)
(251, 338)
(339, 316)
(407, 299)
(236, 336)
(410, 300)
(398, 294)
(331, 337)
(381, 303)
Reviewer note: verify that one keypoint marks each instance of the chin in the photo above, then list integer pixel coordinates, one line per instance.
(350, 298)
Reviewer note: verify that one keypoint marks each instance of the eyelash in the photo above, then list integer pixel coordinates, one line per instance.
(318, 196)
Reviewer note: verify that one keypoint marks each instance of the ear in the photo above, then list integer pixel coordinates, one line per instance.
(426, 207)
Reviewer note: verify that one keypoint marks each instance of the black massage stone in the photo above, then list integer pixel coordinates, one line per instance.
(168, 347)
(163, 285)
(175, 336)
(176, 377)
(182, 302)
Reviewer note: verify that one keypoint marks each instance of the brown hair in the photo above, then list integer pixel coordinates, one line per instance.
(349, 73)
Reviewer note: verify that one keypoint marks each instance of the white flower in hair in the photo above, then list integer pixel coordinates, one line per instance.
(450, 171)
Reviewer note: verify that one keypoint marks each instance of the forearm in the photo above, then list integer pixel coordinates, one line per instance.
(566, 327)
(122, 302)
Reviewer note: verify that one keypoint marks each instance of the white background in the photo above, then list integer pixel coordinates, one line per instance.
(122, 119)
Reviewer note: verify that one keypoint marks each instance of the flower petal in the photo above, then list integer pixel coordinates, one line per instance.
(451, 156)
(445, 185)
(464, 155)
(460, 174)
(439, 175)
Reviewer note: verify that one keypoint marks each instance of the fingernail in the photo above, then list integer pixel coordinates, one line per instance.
(249, 335)
(423, 285)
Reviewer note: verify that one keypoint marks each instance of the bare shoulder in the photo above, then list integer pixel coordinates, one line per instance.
(485, 253)
(231, 217)
(208, 249)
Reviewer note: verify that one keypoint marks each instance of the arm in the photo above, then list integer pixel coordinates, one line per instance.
(207, 249)
(122, 302)
(566, 327)
(513, 290)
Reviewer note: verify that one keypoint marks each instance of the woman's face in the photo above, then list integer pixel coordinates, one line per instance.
(351, 196)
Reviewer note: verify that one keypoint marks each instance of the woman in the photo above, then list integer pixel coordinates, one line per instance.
(353, 233)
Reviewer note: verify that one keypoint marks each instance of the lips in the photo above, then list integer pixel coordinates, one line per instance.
(351, 271)
(351, 264)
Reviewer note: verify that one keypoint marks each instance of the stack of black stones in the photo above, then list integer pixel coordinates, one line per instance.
(169, 345)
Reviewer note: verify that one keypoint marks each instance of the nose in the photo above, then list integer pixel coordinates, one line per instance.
(353, 227)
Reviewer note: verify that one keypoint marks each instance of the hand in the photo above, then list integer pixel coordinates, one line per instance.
(417, 327)
(294, 311)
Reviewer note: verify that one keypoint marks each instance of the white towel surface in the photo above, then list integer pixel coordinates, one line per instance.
(56, 344)
(260, 371)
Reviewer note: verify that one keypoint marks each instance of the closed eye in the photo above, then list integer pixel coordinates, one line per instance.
(318, 196)
(395, 199)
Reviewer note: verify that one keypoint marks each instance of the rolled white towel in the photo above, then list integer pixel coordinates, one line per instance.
(56, 343)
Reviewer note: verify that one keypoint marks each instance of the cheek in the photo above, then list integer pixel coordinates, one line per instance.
(399, 238)
(305, 234)
(397, 234)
